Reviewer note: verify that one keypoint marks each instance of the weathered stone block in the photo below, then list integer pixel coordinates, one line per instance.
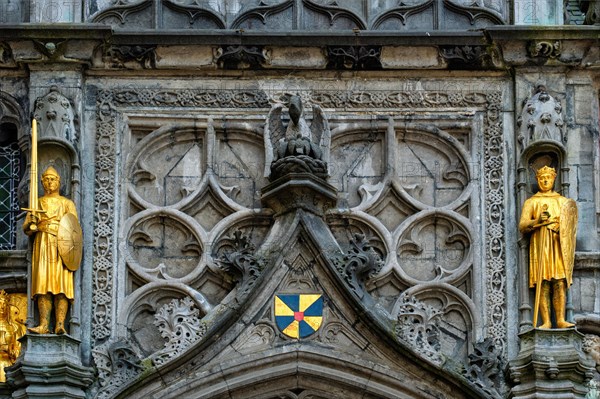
(407, 57)
(297, 57)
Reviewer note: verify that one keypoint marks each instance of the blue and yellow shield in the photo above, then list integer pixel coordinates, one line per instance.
(298, 315)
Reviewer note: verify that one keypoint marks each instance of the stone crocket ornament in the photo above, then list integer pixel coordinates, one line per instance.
(550, 220)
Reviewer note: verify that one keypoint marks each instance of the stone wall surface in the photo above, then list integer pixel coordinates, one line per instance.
(206, 196)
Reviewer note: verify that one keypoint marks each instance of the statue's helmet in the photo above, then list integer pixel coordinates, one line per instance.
(50, 171)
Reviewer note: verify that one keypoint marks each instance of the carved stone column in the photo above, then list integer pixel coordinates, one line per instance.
(551, 364)
(49, 367)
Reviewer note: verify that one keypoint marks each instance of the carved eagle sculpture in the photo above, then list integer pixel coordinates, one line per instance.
(296, 148)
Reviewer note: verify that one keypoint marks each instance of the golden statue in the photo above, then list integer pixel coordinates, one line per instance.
(551, 220)
(56, 253)
(13, 311)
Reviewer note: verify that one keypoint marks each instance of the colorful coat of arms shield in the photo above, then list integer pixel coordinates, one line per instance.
(298, 315)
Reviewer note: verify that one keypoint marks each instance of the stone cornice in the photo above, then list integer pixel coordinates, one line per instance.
(493, 48)
(529, 32)
(55, 31)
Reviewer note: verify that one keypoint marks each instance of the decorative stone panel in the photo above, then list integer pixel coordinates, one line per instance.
(188, 188)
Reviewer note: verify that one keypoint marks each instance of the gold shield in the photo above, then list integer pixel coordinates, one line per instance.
(567, 232)
(70, 242)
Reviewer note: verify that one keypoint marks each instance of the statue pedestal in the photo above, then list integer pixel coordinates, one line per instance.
(551, 364)
(49, 367)
(299, 191)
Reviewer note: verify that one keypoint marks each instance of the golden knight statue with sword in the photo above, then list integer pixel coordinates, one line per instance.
(57, 246)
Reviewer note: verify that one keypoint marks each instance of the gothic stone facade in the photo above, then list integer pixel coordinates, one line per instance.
(159, 116)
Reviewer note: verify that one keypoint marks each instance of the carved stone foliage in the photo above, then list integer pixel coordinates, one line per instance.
(591, 346)
(544, 48)
(418, 326)
(466, 56)
(541, 119)
(316, 14)
(130, 57)
(241, 57)
(237, 259)
(56, 116)
(358, 263)
(116, 363)
(353, 57)
(485, 368)
(179, 323)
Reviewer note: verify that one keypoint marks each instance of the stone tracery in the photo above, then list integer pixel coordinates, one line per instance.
(452, 171)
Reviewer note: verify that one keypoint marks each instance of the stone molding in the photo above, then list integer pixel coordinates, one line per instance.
(49, 367)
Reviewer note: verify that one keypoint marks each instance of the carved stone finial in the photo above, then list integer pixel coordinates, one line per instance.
(541, 119)
(56, 116)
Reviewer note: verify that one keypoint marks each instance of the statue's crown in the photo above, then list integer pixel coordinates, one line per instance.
(546, 170)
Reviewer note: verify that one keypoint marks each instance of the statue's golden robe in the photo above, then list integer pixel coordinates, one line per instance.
(544, 245)
(48, 275)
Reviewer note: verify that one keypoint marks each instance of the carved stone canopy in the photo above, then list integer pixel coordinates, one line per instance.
(56, 116)
(541, 119)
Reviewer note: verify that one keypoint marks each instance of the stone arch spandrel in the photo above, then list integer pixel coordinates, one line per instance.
(250, 356)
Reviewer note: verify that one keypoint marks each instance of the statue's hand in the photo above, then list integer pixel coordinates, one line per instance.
(31, 227)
